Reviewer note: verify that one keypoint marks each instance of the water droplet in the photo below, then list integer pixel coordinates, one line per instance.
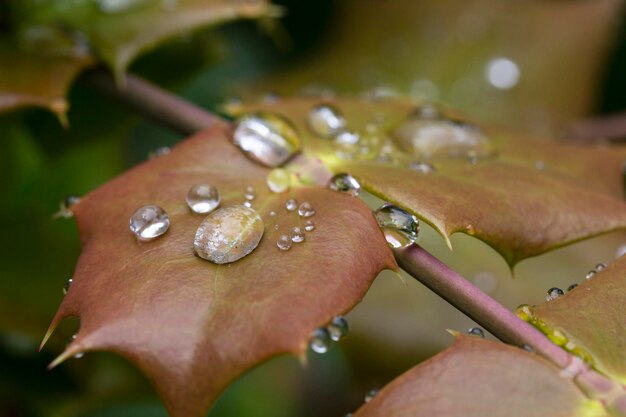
(275, 227)
(291, 204)
(470, 229)
(163, 150)
(228, 234)
(149, 222)
(528, 348)
(266, 138)
(283, 242)
(590, 274)
(247, 203)
(249, 194)
(346, 144)
(422, 167)
(554, 293)
(118, 6)
(621, 251)
(203, 198)
(540, 165)
(524, 312)
(338, 328)
(67, 285)
(320, 340)
(399, 227)
(72, 338)
(345, 183)
(502, 73)
(326, 120)
(600, 267)
(476, 331)
(371, 394)
(272, 213)
(297, 235)
(278, 180)
(431, 138)
(306, 209)
(571, 287)
(65, 207)
(427, 111)
(309, 226)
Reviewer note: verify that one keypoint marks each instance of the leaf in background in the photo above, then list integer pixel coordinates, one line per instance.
(193, 326)
(478, 378)
(520, 205)
(592, 318)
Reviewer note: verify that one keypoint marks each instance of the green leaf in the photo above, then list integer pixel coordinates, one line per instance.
(590, 319)
(193, 326)
(526, 197)
(478, 378)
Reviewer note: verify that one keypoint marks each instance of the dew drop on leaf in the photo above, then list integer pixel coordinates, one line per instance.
(65, 207)
(346, 144)
(278, 180)
(320, 340)
(67, 285)
(266, 138)
(291, 204)
(600, 267)
(272, 213)
(249, 194)
(528, 348)
(163, 150)
(571, 287)
(326, 120)
(149, 222)
(525, 312)
(422, 167)
(203, 198)
(228, 234)
(309, 226)
(297, 235)
(306, 210)
(371, 394)
(74, 337)
(284, 242)
(338, 328)
(476, 331)
(345, 183)
(400, 227)
(590, 274)
(554, 293)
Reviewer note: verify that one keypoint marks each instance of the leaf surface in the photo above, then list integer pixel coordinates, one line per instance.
(529, 196)
(592, 317)
(193, 326)
(477, 378)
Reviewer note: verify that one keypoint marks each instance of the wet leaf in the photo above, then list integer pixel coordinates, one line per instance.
(526, 197)
(477, 378)
(193, 326)
(591, 317)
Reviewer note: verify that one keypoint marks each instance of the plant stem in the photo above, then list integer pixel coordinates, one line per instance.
(154, 102)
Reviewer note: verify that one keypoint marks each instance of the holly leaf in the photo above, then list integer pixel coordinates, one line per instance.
(590, 320)
(522, 196)
(193, 326)
(477, 378)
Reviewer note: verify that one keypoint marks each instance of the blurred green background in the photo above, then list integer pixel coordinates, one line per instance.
(570, 58)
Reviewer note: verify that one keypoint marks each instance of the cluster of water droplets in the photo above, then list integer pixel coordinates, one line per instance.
(322, 337)
(297, 234)
(555, 292)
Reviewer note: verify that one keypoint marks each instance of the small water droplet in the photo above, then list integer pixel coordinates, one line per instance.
(309, 226)
(400, 227)
(600, 267)
(590, 274)
(163, 150)
(338, 328)
(528, 348)
(345, 183)
(540, 165)
(65, 207)
(306, 210)
(283, 242)
(118, 6)
(621, 251)
(275, 227)
(422, 167)
(427, 111)
(67, 285)
(524, 312)
(266, 138)
(297, 235)
(291, 204)
(278, 180)
(228, 234)
(502, 73)
(203, 198)
(149, 222)
(476, 331)
(371, 394)
(571, 287)
(326, 120)
(320, 340)
(346, 144)
(72, 338)
(470, 230)
(554, 293)
(272, 213)
(247, 203)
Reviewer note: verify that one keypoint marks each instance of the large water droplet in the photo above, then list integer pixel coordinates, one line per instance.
(284, 242)
(400, 227)
(266, 138)
(203, 198)
(345, 183)
(476, 331)
(326, 120)
(297, 235)
(306, 209)
(228, 234)
(430, 138)
(149, 222)
(554, 293)
(338, 328)
(320, 340)
(371, 394)
(278, 180)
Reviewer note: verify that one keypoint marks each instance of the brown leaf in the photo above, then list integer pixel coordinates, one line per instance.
(193, 326)
(478, 378)
(529, 197)
(592, 318)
